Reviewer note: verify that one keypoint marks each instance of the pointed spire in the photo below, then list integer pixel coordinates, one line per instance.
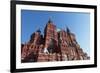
(49, 20)
(67, 30)
(38, 31)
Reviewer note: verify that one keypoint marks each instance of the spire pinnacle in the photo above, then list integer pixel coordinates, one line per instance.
(49, 20)
(39, 31)
(67, 30)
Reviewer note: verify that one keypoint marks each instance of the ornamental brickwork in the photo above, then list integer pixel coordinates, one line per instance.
(54, 46)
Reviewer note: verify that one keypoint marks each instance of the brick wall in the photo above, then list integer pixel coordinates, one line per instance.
(60, 46)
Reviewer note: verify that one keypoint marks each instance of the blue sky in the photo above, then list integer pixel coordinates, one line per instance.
(78, 23)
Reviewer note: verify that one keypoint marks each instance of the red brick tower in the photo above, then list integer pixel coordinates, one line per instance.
(33, 47)
(51, 38)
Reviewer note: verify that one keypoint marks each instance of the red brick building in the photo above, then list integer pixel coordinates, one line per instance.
(54, 46)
